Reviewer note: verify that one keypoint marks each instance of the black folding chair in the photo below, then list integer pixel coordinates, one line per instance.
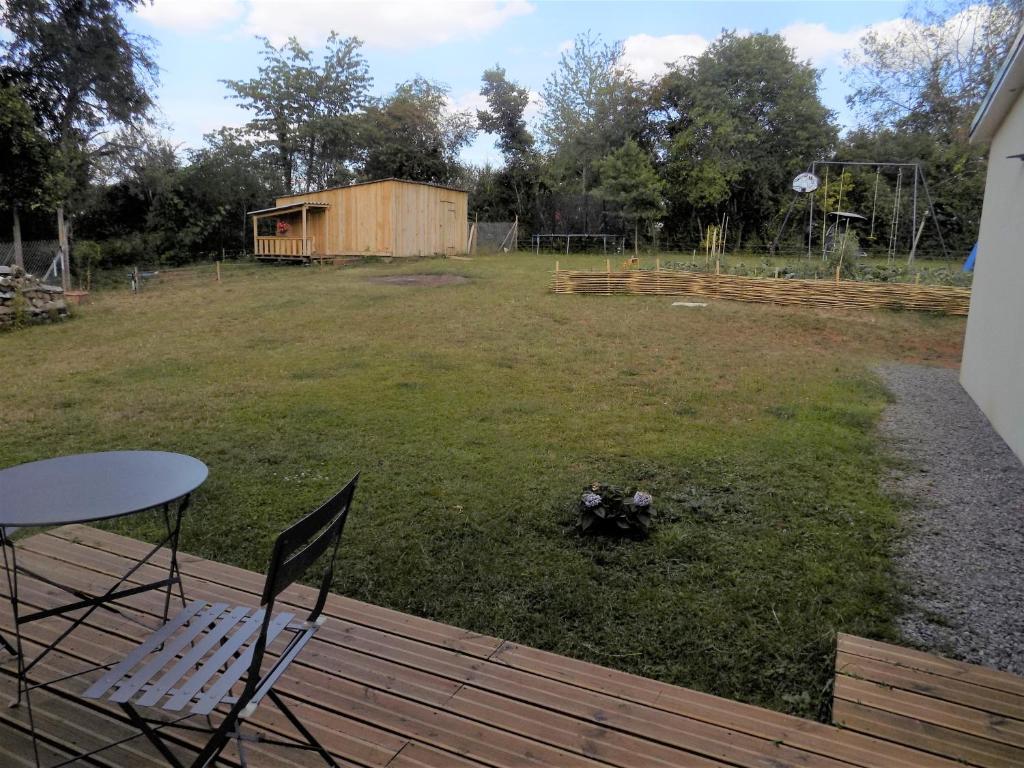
(204, 653)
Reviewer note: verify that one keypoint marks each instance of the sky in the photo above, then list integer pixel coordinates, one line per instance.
(201, 42)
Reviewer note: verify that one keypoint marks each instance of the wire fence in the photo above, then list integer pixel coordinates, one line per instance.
(492, 235)
(40, 257)
(695, 252)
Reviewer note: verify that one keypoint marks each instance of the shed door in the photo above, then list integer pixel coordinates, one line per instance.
(448, 228)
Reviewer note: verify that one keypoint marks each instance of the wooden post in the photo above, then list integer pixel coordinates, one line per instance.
(305, 251)
(65, 260)
(917, 237)
(218, 271)
(255, 222)
(608, 264)
(19, 258)
(838, 267)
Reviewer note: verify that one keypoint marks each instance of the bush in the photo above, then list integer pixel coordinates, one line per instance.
(608, 510)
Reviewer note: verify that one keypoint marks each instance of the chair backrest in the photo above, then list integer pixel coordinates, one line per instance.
(303, 542)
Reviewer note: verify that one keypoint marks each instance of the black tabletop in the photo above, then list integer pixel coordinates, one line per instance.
(94, 486)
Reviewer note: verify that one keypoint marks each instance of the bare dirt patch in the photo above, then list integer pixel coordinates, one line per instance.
(427, 280)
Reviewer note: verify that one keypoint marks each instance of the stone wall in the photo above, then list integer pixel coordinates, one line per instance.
(26, 299)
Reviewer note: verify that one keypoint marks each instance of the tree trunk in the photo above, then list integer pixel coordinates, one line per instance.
(19, 256)
(586, 206)
(65, 256)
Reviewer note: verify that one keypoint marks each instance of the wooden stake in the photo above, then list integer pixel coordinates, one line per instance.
(218, 271)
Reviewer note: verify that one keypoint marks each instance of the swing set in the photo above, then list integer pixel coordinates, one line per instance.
(901, 189)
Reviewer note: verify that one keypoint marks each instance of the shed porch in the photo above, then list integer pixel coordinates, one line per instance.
(300, 232)
(382, 688)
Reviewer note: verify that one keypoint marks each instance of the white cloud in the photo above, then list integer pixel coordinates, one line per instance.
(822, 45)
(401, 24)
(469, 101)
(648, 55)
(190, 15)
(818, 43)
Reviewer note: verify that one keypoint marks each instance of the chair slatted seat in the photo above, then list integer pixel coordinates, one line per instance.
(213, 654)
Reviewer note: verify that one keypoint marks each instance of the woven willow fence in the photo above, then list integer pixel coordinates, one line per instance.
(767, 290)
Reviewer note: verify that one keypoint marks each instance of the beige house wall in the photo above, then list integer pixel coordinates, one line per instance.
(993, 363)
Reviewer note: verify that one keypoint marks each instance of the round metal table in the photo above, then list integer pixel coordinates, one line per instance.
(83, 488)
(95, 486)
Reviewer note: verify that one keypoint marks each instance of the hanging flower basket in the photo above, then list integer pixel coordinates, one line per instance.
(283, 228)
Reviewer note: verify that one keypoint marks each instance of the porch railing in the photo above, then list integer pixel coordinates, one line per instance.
(285, 246)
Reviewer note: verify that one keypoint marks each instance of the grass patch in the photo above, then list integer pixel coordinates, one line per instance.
(477, 412)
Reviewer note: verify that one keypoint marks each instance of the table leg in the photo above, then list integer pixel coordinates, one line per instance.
(86, 601)
(4, 642)
(11, 569)
(173, 536)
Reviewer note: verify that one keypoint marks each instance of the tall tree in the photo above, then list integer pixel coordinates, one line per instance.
(631, 184)
(932, 72)
(307, 112)
(83, 74)
(506, 104)
(592, 104)
(739, 121)
(411, 134)
(25, 161)
(504, 117)
(916, 90)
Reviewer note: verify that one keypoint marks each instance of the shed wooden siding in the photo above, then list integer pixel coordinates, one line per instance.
(388, 218)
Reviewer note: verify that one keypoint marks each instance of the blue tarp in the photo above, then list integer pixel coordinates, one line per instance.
(969, 264)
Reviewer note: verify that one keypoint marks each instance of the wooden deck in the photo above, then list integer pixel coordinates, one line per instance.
(968, 713)
(382, 688)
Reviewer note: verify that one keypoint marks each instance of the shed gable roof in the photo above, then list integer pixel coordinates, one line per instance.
(374, 181)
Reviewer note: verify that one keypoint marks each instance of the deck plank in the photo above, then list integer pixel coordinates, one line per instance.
(431, 632)
(927, 662)
(733, 720)
(964, 748)
(686, 734)
(935, 686)
(383, 689)
(945, 714)
(962, 711)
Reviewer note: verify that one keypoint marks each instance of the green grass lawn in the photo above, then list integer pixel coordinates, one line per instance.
(477, 413)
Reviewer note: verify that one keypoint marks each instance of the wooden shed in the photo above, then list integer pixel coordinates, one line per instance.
(389, 217)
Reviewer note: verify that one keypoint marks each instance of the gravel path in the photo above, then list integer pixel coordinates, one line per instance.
(964, 557)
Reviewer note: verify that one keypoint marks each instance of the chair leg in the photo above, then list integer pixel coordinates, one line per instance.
(309, 737)
(152, 735)
(218, 740)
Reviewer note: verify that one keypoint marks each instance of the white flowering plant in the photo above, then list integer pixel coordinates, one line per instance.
(609, 510)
